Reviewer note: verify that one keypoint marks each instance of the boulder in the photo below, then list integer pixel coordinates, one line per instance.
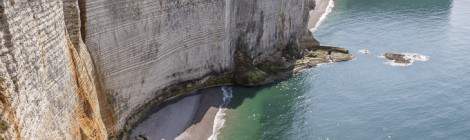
(397, 57)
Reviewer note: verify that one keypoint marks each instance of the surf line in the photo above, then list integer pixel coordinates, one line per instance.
(219, 119)
(328, 10)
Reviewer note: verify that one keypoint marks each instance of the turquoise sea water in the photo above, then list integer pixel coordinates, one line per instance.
(366, 99)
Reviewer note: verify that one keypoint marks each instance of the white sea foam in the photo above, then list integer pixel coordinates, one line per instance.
(417, 57)
(329, 8)
(413, 57)
(364, 51)
(393, 63)
(219, 119)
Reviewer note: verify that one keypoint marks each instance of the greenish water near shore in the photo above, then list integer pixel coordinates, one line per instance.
(366, 98)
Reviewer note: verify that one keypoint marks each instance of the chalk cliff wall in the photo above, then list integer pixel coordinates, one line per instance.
(46, 77)
(80, 69)
(142, 47)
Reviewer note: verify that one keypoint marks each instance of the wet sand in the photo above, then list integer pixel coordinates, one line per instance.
(203, 123)
(189, 118)
(317, 14)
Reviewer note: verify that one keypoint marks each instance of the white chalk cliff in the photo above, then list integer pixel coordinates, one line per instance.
(90, 69)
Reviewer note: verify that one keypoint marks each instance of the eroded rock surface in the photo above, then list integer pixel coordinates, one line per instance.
(397, 57)
(404, 59)
(48, 88)
(322, 54)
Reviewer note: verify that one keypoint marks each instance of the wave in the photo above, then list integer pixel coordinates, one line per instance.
(364, 51)
(219, 119)
(413, 57)
(328, 10)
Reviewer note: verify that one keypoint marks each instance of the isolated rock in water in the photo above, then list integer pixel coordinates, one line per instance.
(404, 59)
(397, 57)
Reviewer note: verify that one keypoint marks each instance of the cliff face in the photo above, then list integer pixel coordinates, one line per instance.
(143, 47)
(47, 89)
(91, 69)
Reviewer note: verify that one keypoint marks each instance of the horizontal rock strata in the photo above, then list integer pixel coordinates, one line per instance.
(83, 69)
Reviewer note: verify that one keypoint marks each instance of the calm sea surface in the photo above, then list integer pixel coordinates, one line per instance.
(366, 99)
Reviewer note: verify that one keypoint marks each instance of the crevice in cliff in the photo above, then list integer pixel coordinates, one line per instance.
(8, 114)
(105, 104)
(96, 118)
(245, 71)
(7, 47)
(8, 117)
(83, 136)
(89, 123)
(83, 18)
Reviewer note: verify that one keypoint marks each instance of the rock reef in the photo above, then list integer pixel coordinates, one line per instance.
(404, 59)
(397, 58)
(80, 69)
(322, 54)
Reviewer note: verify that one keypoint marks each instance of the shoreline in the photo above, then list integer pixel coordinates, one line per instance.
(203, 121)
(195, 131)
(192, 117)
(318, 15)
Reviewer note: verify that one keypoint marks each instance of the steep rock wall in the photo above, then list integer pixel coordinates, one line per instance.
(142, 47)
(47, 83)
(82, 69)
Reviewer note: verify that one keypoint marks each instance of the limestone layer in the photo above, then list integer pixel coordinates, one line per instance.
(91, 69)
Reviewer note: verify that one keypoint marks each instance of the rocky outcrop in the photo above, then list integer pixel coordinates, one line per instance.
(404, 59)
(79, 69)
(322, 54)
(397, 58)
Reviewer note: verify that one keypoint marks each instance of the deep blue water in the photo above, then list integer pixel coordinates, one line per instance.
(366, 99)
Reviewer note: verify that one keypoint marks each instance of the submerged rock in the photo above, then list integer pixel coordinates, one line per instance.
(397, 57)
